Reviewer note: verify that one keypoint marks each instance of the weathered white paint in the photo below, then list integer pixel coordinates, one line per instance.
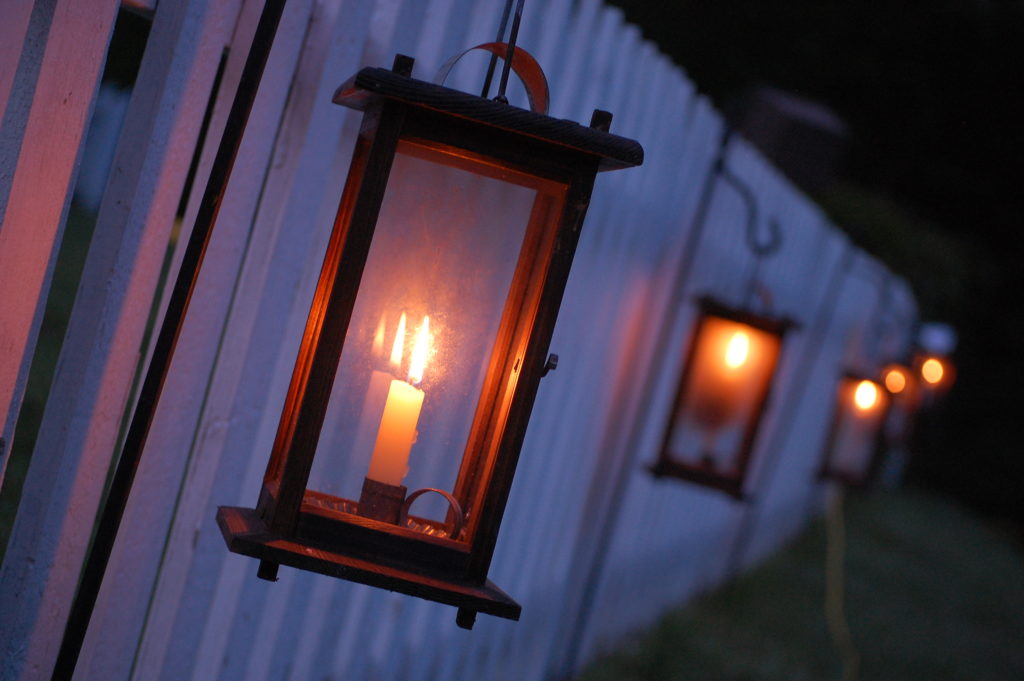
(13, 31)
(50, 103)
(590, 545)
(79, 428)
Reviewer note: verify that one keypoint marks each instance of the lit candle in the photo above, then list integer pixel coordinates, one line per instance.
(722, 375)
(865, 397)
(397, 431)
(932, 371)
(379, 386)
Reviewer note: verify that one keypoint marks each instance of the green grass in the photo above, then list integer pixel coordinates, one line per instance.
(932, 593)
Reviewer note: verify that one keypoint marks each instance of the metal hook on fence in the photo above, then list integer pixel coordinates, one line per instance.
(758, 247)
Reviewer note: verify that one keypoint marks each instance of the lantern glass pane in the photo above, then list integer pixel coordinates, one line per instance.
(725, 387)
(856, 429)
(421, 341)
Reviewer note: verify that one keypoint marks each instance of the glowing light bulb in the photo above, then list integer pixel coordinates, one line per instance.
(932, 371)
(738, 350)
(865, 396)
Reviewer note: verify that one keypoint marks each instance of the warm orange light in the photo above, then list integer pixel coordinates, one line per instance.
(895, 380)
(865, 396)
(378, 338)
(738, 350)
(399, 344)
(932, 371)
(420, 350)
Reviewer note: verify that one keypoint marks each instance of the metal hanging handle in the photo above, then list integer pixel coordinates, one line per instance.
(458, 517)
(523, 64)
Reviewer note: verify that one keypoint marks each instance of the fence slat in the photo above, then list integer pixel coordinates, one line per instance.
(43, 127)
(40, 142)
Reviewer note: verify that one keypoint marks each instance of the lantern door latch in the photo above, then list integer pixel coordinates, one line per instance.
(550, 365)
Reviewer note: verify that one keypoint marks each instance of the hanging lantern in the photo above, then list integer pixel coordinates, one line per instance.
(852, 449)
(722, 394)
(898, 379)
(427, 338)
(935, 374)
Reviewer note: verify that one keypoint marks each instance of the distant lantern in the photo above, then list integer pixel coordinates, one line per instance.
(897, 379)
(427, 338)
(936, 374)
(852, 448)
(721, 396)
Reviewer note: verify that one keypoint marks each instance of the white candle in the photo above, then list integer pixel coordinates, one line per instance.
(396, 434)
(373, 406)
(397, 431)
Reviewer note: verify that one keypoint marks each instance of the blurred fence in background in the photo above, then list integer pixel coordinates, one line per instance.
(592, 546)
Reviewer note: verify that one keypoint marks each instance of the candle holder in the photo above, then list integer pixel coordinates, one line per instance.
(853, 448)
(427, 336)
(381, 501)
(723, 391)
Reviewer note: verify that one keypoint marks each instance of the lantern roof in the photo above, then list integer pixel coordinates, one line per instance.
(372, 83)
(764, 321)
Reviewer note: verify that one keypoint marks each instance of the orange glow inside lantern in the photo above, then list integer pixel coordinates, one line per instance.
(932, 371)
(896, 379)
(852, 445)
(722, 394)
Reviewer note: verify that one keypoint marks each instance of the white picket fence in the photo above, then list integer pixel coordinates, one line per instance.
(591, 545)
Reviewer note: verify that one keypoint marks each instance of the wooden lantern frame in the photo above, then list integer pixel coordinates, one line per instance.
(827, 469)
(733, 482)
(294, 526)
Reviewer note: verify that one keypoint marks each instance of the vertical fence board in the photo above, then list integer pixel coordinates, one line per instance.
(43, 128)
(44, 135)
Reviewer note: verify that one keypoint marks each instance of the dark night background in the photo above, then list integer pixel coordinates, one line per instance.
(933, 92)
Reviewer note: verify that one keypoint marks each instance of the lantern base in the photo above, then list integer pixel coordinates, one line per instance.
(730, 484)
(246, 533)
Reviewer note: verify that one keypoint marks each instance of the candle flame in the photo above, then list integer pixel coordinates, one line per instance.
(396, 349)
(895, 381)
(419, 352)
(378, 338)
(932, 370)
(865, 396)
(738, 350)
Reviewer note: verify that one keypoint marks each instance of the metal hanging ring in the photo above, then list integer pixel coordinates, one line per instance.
(524, 65)
(458, 517)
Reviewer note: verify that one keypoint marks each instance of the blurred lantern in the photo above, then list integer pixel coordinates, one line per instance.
(936, 342)
(428, 334)
(722, 394)
(729, 364)
(897, 379)
(852, 451)
(935, 373)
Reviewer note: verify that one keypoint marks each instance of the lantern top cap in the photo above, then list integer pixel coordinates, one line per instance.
(858, 377)
(371, 84)
(775, 325)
